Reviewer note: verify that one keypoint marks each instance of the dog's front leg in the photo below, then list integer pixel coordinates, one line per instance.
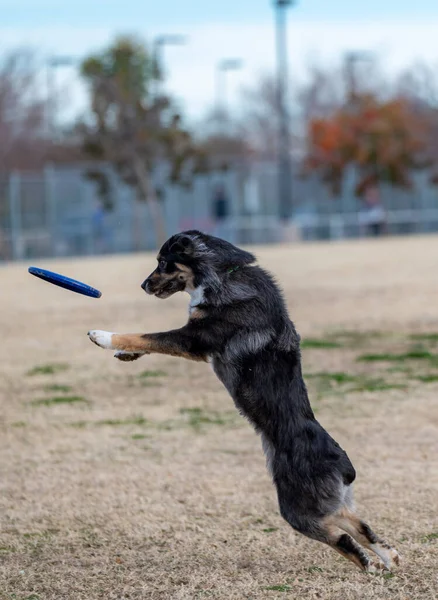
(130, 346)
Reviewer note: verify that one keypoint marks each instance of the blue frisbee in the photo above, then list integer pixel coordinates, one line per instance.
(65, 282)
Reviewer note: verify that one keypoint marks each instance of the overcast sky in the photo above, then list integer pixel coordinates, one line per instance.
(399, 31)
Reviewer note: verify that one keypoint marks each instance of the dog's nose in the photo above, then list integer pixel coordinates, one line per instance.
(146, 286)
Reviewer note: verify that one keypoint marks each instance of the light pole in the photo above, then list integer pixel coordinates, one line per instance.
(54, 62)
(284, 137)
(158, 45)
(222, 68)
(351, 60)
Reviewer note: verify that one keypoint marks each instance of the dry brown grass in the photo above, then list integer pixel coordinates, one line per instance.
(123, 493)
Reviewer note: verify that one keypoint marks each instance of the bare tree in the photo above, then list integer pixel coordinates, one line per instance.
(22, 112)
(259, 125)
(418, 85)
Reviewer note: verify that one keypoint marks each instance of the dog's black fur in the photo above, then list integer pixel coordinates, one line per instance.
(239, 322)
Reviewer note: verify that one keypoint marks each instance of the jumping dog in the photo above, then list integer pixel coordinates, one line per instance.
(238, 322)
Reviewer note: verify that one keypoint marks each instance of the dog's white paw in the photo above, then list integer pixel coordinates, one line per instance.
(101, 338)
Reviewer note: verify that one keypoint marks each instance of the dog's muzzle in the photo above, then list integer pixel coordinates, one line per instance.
(162, 290)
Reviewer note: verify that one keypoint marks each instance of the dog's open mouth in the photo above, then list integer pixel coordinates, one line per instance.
(164, 290)
(168, 290)
(162, 294)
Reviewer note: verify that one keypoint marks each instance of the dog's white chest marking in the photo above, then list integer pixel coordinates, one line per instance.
(197, 298)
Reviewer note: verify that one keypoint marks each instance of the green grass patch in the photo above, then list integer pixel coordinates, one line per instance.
(432, 378)
(270, 529)
(406, 369)
(79, 424)
(378, 357)
(279, 588)
(414, 354)
(313, 343)
(122, 422)
(376, 385)
(192, 417)
(430, 537)
(57, 387)
(419, 354)
(333, 377)
(59, 400)
(40, 534)
(151, 374)
(425, 337)
(138, 436)
(196, 417)
(48, 369)
(6, 550)
(315, 569)
(345, 383)
(19, 424)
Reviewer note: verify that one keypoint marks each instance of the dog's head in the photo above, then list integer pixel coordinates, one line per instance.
(190, 259)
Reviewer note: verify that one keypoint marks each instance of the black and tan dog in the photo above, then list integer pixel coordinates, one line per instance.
(239, 322)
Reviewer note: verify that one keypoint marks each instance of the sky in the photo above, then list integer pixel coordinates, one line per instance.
(398, 32)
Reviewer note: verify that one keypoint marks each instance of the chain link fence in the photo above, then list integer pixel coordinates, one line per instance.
(59, 213)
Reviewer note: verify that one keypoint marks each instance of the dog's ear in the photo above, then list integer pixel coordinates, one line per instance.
(183, 246)
(187, 243)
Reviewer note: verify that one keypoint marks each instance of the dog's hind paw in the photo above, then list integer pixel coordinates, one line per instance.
(395, 557)
(127, 356)
(376, 566)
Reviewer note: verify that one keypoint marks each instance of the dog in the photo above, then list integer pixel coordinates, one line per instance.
(239, 322)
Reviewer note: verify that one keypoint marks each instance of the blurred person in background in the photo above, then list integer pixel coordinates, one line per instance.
(372, 217)
(100, 229)
(221, 212)
(4, 255)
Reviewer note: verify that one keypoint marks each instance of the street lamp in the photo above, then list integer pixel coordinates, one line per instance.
(284, 136)
(222, 68)
(52, 63)
(351, 60)
(158, 45)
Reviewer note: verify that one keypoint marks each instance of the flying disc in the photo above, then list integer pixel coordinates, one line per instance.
(65, 282)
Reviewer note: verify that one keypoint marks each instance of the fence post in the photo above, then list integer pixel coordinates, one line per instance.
(50, 206)
(15, 216)
(88, 201)
(337, 226)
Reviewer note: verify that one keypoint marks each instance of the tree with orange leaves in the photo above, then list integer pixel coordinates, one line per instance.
(385, 140)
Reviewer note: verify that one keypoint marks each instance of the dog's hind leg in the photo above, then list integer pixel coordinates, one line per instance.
(325, 530)
(363, 534)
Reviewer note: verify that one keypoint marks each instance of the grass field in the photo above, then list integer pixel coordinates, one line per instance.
(140, 481)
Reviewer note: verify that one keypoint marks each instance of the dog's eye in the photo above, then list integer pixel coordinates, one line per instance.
(162, 264)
